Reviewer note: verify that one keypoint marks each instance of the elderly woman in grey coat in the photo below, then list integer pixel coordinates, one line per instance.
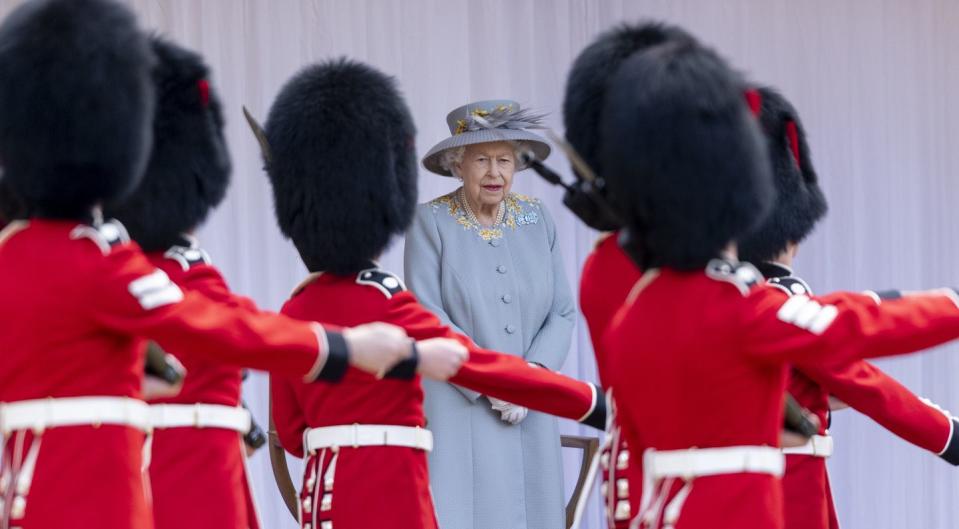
(486, 260)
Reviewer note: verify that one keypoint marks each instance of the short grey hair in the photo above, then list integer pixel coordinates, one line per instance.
(450, 158)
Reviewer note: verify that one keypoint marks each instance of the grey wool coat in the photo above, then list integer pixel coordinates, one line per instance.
(505, 288)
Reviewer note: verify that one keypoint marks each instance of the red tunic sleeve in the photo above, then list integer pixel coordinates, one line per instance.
(845, 327)
(131, 296)
(867, 389)
(504, 376)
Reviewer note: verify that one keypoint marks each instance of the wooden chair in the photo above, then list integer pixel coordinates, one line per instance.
(589, 446)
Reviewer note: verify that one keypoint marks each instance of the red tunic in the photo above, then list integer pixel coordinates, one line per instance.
(699, 359)
(73, 314)
(198, 477)
(861, 385)
(388, 487)
(608, 276)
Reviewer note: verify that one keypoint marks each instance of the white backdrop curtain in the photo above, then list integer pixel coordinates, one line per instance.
(874, 81)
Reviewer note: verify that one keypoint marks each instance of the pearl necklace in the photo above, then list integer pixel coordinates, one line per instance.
(500, 211)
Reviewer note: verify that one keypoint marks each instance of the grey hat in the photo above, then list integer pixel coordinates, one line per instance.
(487, 122)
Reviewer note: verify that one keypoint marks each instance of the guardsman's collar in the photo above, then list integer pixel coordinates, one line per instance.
(770, 269)
(187, 241)
(314, 275)
(782, 277)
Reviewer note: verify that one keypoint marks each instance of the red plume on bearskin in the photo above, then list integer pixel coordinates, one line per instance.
(800, 203)
(189, 168)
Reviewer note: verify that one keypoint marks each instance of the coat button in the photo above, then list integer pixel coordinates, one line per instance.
(501, 269)
(510, 329)
(507, 298)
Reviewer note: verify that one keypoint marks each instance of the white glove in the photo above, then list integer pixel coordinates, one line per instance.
(511, 413)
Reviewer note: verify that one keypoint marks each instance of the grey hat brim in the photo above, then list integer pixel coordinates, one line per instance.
(432, 159)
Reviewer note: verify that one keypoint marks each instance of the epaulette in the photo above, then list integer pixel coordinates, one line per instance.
(742, 275)
(387, 283)
(791, 285)
(106, 235)
(188, 256)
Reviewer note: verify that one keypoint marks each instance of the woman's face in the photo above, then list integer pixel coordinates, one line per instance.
(487, 172)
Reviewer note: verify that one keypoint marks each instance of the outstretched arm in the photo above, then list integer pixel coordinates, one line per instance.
(846, 327)
(132, 297)
(505, 376)
(875, 394)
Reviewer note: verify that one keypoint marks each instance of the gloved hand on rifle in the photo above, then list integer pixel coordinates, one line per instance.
(255, 438)
(163, 374)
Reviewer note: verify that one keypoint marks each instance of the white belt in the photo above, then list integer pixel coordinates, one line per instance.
(817, 446)
(40, 414)
(697, 462)
(685, 465)
(200, 416)
(357, 435)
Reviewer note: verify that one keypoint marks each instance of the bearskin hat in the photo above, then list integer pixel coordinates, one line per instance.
(189, 167)
(682, 155)
(583, 103)
(800, 203)
(342, 162)
(589, 77)
(77, 104)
